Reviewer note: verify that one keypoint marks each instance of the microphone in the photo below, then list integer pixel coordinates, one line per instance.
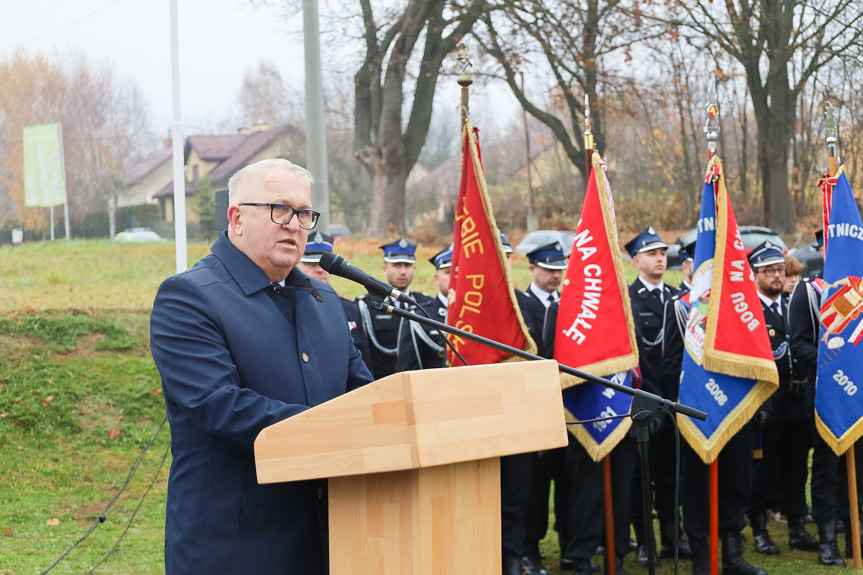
(339, 266)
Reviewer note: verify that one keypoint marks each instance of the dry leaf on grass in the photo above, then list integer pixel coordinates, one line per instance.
(53, 522)
(113, 433)
(47, 400)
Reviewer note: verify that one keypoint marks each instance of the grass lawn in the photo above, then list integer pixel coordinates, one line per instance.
(80, 398)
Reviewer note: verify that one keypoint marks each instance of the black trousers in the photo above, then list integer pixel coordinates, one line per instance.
(662, 453)
(548, 466)
(515, 478)
(830, 480)
(586, 517)
(780, 480)
(735, 483)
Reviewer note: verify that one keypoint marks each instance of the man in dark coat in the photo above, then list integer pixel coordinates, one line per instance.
(784, 422)
(244, 340)
(829, 487)
(320, 243)
(382, 328)
(421, 346)
(649, 294)
(547, 264)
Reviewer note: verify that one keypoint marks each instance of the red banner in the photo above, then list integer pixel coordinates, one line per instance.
(481, 297)
(736, 341)
(595, 330)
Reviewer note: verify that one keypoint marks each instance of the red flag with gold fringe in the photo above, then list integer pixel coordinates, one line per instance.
(481, 296)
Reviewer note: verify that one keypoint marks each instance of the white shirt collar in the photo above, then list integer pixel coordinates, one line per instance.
(769, 302)
(442, 298)
(542, 295)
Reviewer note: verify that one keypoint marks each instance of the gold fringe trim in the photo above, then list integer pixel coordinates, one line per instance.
(489, 213)
(723, 361)
(708, 448)
(839, 445)
(598, 450)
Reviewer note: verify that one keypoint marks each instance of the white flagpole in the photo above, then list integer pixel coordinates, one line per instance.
(177, 136)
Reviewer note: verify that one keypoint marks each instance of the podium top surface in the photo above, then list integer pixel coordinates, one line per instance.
(419, 419)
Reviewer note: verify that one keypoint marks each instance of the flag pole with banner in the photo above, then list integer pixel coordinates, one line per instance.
(595, 331)
(728, 368)
(481, 299)
(838, 403)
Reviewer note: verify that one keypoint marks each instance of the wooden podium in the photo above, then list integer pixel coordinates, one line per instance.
(413, 462)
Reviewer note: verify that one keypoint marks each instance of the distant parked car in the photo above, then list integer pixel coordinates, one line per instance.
(811, 258)
(752, 236)
(340, 230)
(539, 238)
(135, 235)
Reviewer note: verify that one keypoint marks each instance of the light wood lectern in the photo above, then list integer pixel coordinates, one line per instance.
(413, 462)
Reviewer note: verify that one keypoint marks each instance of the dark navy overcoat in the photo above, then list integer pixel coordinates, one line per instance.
(233, 363)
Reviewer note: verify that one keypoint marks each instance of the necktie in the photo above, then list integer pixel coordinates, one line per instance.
(775, 307)
(283, 297)
(551, 299)
(657, 294)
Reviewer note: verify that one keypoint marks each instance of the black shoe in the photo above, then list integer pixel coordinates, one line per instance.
(642, 555)
(578, 566)
(618, 567)
(733, 562)
(798, 538)
(532, 565)
(511, 564)
(828, 549)
(763, 543)
(684, 551)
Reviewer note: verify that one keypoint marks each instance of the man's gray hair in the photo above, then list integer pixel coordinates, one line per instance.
(237, 180)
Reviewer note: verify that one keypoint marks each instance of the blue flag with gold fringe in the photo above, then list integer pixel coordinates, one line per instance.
(838, 402)
(728, 369)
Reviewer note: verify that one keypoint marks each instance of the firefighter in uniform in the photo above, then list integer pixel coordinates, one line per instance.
(383, 328)
(649, 294)
(783, 419)
(420, 346)
(829, 487)
(547, 264)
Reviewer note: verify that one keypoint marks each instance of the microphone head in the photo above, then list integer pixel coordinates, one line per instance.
(331, 262)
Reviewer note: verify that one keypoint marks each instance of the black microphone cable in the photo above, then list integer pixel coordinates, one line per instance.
(103, 517)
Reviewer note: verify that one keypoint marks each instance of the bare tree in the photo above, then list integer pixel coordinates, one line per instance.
(403, 50)
(264, 97)
(780, 44)
(572, 43)
(111, 122)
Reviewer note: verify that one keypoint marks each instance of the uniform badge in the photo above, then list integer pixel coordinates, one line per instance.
(403, 243)
(771, 331)
(441, 311)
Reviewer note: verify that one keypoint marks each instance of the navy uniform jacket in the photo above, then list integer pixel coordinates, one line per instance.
(533, 311)
(649, 315)
(355, 325)
(804, 317)
(420, 346)
(382, 330)
(676, 313)
(788, 402)
(232, 364)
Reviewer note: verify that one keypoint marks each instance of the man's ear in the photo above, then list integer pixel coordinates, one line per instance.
(235, 220)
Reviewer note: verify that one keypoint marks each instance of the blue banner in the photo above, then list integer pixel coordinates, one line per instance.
(593, 401)
(838, 401)
(728, 400)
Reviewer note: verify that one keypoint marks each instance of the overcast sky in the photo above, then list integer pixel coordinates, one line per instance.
(219, 40)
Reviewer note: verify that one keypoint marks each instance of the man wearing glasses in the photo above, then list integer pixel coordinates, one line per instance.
(781, 482)
(243, 340)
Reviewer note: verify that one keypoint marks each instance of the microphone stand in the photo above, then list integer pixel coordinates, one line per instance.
(644, 406)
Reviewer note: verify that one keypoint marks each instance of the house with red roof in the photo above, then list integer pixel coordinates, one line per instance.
(211, 158)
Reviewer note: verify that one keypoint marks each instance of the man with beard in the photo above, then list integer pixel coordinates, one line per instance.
(783, 421)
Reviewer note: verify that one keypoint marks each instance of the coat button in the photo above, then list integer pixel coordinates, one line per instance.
(305, 357)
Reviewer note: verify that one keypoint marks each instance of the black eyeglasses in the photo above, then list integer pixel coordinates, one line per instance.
(772, 271)
(282, 214)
